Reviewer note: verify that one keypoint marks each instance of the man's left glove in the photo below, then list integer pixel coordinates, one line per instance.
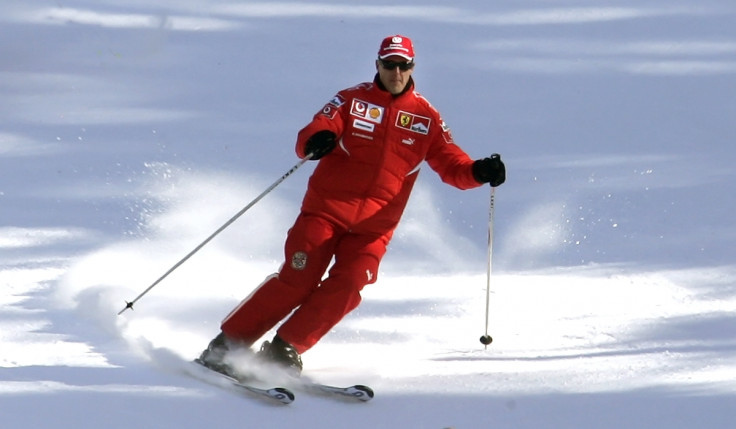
(490, 170)
(320, 144)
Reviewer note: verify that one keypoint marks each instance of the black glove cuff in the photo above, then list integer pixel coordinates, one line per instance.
(320, 144)
(490, 170)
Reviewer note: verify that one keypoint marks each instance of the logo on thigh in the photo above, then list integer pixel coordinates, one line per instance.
(299, 260)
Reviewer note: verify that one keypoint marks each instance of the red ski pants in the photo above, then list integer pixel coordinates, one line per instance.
(320, 304)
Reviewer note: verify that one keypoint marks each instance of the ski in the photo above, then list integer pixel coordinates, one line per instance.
(278, 394)
(357, 392)
(285, 395)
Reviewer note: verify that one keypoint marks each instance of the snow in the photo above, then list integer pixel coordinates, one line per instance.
(132, 130)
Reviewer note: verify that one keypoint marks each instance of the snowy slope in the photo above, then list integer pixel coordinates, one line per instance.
(131, 130)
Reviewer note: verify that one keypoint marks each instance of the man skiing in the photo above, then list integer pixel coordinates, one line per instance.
(370, 141)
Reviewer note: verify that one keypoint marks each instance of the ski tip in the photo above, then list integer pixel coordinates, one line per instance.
(284, 395)
(366, 393)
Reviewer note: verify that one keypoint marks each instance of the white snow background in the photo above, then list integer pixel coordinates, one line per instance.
(130, 130)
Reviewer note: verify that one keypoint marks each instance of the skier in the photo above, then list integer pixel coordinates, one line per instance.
(370, 141)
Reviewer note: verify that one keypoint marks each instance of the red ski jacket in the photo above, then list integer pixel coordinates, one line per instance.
(363, 185)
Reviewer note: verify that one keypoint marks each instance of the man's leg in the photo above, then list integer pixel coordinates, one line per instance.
(308, 251)
(356, 264)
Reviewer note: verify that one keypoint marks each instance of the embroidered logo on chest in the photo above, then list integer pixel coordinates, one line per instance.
(412, 122)
(368, 111)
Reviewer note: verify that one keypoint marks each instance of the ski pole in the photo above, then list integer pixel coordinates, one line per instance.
(129, 305)
(487, 339)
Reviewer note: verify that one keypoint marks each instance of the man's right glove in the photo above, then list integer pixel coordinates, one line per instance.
(490, 170)
(320, 144)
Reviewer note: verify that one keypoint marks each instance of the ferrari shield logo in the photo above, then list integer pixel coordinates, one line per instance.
(405, 120)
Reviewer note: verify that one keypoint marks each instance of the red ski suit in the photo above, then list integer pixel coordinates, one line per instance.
(353, 203)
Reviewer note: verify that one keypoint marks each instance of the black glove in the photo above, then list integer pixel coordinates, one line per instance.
(490, 170)
(320, 144)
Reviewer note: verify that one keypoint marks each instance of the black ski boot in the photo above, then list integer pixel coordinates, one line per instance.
(283, 354)
(213, 357)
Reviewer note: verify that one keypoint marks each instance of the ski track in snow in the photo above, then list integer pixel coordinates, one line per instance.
(131, 132)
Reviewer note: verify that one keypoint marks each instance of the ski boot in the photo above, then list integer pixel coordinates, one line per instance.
(213, 357)
(283, 355)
